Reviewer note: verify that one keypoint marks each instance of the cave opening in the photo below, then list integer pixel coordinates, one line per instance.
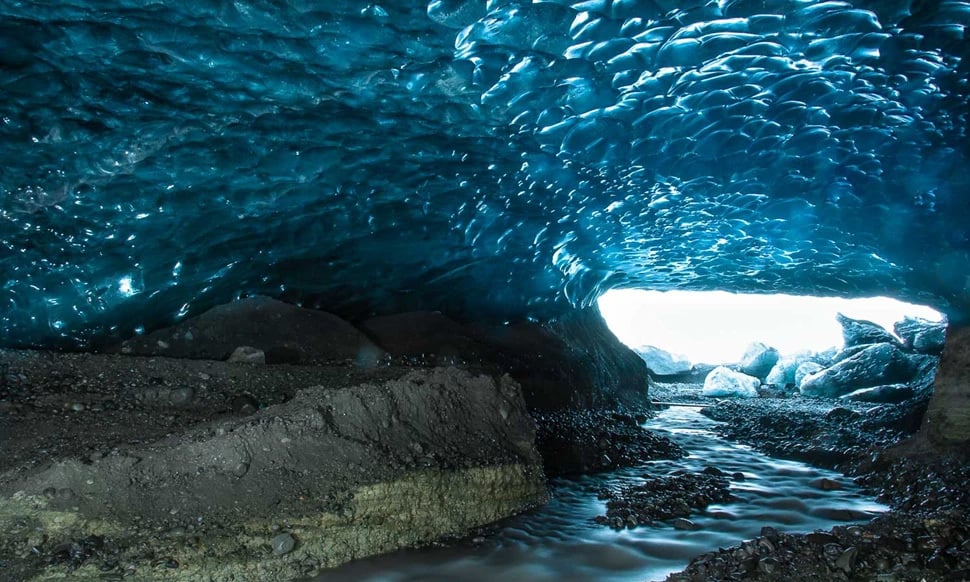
(716, 327)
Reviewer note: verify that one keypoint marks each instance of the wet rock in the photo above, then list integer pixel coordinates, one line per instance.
(283, 544)
(857, 332)
(724, 382)
(758, 360)
(247, 355)
(684, 524)
(827, 484)
(846, 561)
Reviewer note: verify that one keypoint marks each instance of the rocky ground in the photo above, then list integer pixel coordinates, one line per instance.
(662, 498)
(926, 535)
(584, 442)
(165, 469)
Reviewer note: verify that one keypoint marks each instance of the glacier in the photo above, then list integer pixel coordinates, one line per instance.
(496, 160)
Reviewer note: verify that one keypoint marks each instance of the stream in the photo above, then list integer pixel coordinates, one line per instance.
(560, 542)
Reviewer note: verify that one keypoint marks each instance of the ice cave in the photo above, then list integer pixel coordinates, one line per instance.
(313, 290)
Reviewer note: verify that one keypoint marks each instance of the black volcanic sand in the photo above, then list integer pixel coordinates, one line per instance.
(925, 536)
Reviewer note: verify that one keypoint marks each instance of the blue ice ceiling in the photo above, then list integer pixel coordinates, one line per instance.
(497, 160)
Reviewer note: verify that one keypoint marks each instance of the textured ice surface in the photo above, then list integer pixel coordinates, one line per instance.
(498, 159)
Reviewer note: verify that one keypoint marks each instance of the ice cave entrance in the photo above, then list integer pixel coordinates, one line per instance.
(715, 327)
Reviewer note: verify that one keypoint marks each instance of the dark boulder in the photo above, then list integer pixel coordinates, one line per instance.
(572, 363)
(857, 332)
(287, 334)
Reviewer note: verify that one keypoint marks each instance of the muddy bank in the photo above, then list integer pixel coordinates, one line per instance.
(157, 468)
(924, 537)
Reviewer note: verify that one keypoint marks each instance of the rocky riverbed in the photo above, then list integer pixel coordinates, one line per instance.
(925, 536)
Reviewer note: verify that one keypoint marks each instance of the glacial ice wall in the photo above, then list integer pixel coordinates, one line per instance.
(501, 159)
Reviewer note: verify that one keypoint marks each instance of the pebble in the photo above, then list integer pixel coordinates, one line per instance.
(846, 561)
(684, 524)
(181, 396)
(283, 544)
(247, 355)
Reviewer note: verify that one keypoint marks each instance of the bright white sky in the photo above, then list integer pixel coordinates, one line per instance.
(716, 327)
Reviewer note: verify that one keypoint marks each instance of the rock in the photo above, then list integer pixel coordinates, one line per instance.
(857, 332)
(887, 393)
(684, 524)
(921, 335)
(286, 334)
(758, 360)
(322, 461)
(283, 544)
(947, 420)
(663, 363)
(724, 382)
(247, 355)
(805, 369)
(572, 363)
(873, 366)
(846, 561)
(826, 484)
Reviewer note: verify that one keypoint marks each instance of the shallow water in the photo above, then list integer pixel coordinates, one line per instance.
(560, 542)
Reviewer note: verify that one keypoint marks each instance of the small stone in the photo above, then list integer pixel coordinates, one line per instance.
(247, 355)
(821, 538)
(826, 484)
(768, 565)
(162, 344)
(182, 396)
(240, 469)
(283, 544)
(684, 524)
(244, 404)
(846, 561)
(77, 407)
(738, 476)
